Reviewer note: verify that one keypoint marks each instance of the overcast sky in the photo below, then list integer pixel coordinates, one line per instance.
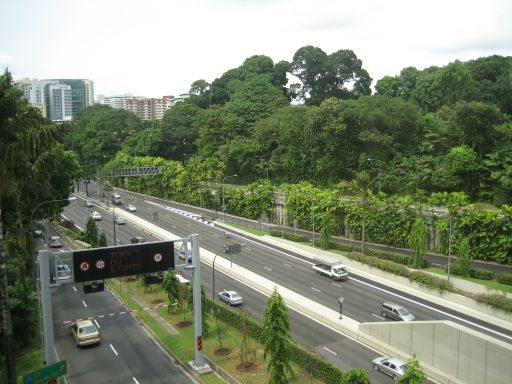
(159, 47)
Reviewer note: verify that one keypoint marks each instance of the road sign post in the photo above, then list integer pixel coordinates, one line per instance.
(46, 374)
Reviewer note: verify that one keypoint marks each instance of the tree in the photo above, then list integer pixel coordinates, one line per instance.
(417, 242)
(276, 339)
(90, 236)
(179, 130)
(413, 374)
(463, 263)
(172, 286)
(102, 241)
(322, 76)
(27, 141)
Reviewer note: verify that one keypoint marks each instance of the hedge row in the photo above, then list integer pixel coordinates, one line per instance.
(399, 258)
(505, 278)
(319, 367)
(496, 301)
(290, 236)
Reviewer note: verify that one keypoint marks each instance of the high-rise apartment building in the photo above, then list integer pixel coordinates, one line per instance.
(60, 102)
(118, 102)
(79, 91)
(152, 108)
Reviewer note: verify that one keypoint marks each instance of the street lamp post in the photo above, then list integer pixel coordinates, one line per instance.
(114, 221)
(47, 344)
(72, 198)
(223, 203)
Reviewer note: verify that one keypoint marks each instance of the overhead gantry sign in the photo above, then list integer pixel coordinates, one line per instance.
(135, 259)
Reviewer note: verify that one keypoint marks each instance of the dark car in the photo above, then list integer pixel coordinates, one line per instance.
(137, 240)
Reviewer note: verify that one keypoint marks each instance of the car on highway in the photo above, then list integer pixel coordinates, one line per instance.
(182, 280)
(55, 242)
(119, 220)
(231, 297)
(188, 252)
(390, 366)
(84, 332)
(96, 215)
(89, 203)
(137, 240)
(63, 272)
(131, 208)
(396, 312)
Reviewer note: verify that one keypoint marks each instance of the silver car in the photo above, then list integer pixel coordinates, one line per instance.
(396, 312)
(231, 297)
(119, 220)
(392, 367)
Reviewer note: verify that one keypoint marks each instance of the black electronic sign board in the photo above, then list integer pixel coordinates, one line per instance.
(124, 260)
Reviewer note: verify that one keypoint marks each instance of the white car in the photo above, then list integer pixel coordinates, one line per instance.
(89, 203)
(96, 215)
(131, 208)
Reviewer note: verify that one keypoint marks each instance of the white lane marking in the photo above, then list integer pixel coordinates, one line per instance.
(267, 268)
(95, 322)
(79, 227)
(433, 309)
(76, 290)
(111, 314)
(338, 285)
(135, 380)
(378, 317)
(67, 322)
(315, 289)
(85, 305)
(122, 312)
(101, 316)
(287, 265)
(328, 350)
(113, 349)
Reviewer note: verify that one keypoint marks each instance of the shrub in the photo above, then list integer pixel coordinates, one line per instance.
(290, 236)
(505, 278)
(482, 274)
(497, 301)
(430, 281)
(399, 258)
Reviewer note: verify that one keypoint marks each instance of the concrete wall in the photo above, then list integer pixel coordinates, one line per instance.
(447, 347)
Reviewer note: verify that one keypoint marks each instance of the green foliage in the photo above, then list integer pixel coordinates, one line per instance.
(102, 241)
(98, 133)
(413, 374)
(504, 278)
(497, 301)
(90, 235)
(290, 236)
(355, 376)
(430, 281)
(23, 305)
(463, 262)
(172, 286)
(482, 274)
(417, 242)
(276, 339)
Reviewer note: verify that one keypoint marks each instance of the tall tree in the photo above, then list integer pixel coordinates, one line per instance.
(276, 339)
(23, 135)
(417, 242)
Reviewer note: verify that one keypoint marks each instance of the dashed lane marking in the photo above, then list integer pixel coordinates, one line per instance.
(315, 289)
(114, 350)
(330, 351)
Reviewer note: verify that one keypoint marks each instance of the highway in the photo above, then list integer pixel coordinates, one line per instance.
(362, 296)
